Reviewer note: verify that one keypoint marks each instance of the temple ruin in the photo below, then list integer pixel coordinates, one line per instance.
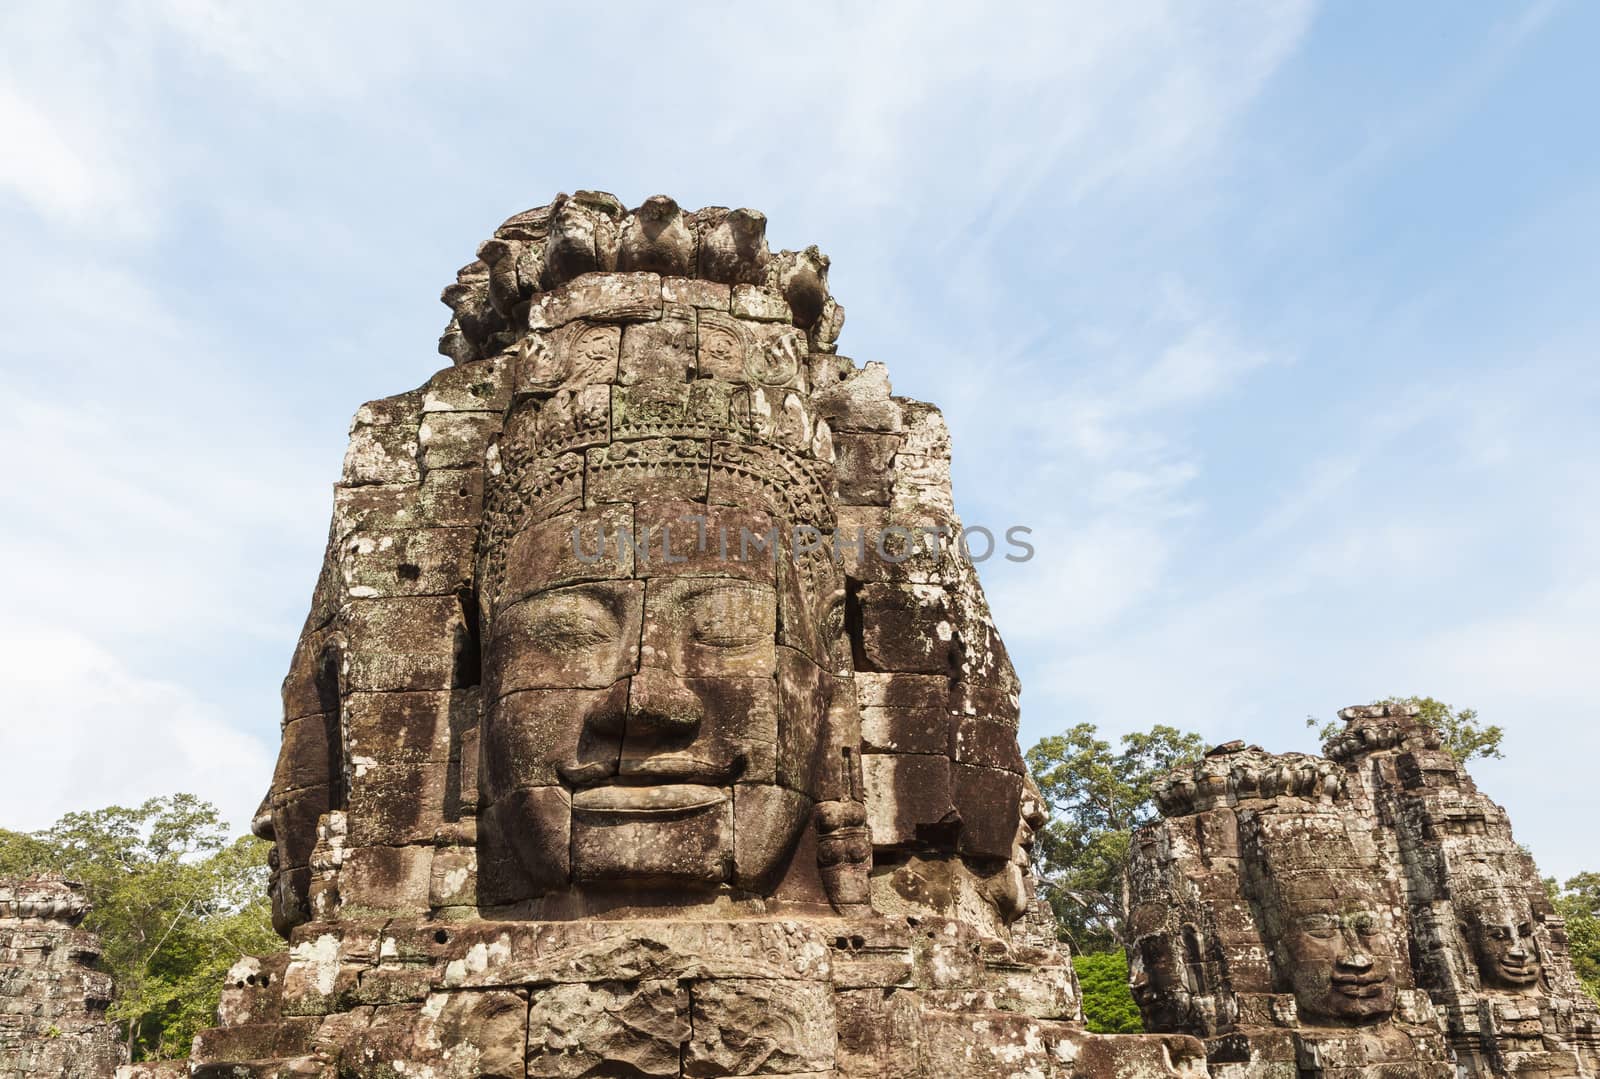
(650, 721)
(1363, 913)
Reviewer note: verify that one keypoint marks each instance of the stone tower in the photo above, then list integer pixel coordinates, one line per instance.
(53, 1000)
(648, 720)
(1363, 913)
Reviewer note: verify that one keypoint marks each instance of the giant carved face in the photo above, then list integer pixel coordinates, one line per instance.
(1335, 948)
(1499, 927)
(655, 710)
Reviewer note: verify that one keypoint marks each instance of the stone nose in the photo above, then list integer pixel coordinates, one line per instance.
(662, 708)
(261, 823)
(1356, 960)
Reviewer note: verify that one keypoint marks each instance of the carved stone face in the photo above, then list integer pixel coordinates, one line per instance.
(1335, 949)
(656, 726)
(1156, 981)
(1500, 930)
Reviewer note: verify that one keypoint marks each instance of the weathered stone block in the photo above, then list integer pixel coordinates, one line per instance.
(987, 799)
(615, 1028)
(908, 628)
(455, 439)
(909, 798)
(861, 402)
(741, 1027)
(863, 463)
(410, 562)
(387, 878)
(386, 454)
(760, 304)
(397, 801)
(481, 386)
(404, 727)
(987, 744)
(695, 293)
(663, 349)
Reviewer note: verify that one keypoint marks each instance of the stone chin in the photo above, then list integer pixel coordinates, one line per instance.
(1516, 977)
(686, 833)
(669, 831)
(289, 903)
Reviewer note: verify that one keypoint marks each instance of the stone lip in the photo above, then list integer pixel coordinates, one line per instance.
(666, 799)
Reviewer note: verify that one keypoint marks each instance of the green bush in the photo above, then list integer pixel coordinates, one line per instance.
(1108, 1006)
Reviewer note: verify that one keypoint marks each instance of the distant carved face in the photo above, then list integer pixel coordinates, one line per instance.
(653, 724)
(1335, 949)
(1500, 930)
(1157, 983)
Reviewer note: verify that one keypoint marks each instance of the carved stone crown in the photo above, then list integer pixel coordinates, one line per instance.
(1373, 727)
(47, 898)
(543, 249)
(1234, 772)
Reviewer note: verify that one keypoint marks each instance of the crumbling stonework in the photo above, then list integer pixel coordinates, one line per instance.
(1366, 913)
(52, 999)
(648, 720)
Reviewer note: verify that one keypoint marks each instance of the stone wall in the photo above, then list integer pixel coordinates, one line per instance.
(52, 999)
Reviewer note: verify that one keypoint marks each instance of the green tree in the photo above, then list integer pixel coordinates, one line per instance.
(1098, 795)
(175, 903)
(1578, 901)
(1108, 1006)
(1459, 729)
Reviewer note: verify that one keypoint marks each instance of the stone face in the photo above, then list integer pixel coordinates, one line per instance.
(53, 1000)
(1363, 913)
(649, 719)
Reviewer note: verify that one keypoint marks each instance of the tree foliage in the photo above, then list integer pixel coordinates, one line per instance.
(1108, 1006)
(175, 903)
(1459, 729)
(1098, 794)
(1578, 901)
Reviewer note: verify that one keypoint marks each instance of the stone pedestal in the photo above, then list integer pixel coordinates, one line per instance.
(836, 997)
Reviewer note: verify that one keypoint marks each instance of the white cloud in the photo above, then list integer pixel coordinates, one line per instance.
(42, 166)
(85, 731)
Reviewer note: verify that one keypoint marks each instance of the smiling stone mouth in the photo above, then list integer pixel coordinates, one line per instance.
(654, 800)
(1361, 988)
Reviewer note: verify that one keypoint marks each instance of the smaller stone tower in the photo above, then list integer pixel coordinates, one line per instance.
(52, 999)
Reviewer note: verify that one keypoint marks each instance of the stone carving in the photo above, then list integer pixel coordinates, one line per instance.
(53, 1000)
(648, 719)
(1363, 913)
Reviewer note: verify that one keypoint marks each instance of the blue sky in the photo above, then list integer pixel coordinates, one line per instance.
(1275, 322)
